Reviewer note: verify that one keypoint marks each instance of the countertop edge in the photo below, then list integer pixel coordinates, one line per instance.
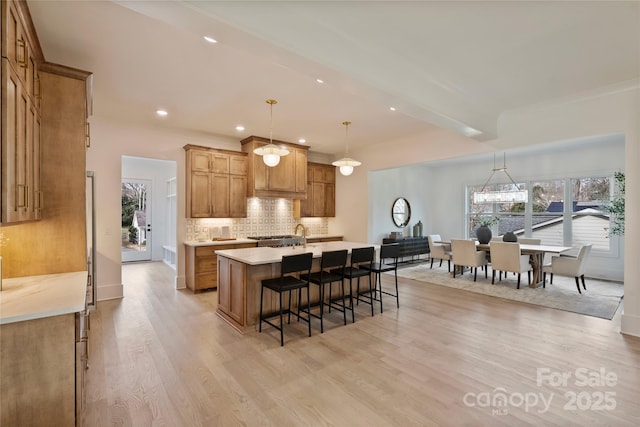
(37, 297)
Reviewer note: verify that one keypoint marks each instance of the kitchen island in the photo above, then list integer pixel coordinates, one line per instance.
(240, 272)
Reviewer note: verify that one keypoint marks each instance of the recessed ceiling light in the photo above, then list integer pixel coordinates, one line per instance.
(302, 140)
(392, 108)
(239, 128)
(320, 80)
(210, 39)
(162, 113)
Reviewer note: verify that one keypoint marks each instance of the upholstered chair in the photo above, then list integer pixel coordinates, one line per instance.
(568, 266)
(465, 254)
(441, 251)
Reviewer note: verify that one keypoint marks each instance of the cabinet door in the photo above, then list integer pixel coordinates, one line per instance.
(200, 206)
(306, 206)
(11, 89)
(280, 177)
(237, 291)
(224, 291)
(200, 161)
(318, 198)
(36, 193)
(220, 195)
(300, 170)
(237, 196)
(238, 165)
(219, 163)
(329, 200)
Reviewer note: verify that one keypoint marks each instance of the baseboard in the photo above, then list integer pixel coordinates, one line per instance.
(630, 325)
(180, 282)
(107, 292)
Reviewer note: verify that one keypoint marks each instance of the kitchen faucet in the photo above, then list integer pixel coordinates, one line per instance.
(304, 234)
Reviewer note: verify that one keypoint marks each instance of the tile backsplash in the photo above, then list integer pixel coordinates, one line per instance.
(265, 217)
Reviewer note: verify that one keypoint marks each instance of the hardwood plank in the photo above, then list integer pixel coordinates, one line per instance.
(161, 356)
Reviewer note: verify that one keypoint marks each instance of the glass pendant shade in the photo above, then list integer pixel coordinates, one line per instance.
(509, 196)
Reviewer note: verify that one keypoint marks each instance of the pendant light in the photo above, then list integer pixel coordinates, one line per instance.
(271, 153)
(346, 164)
(516, 195)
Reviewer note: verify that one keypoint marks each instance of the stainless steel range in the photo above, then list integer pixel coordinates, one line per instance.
(278, 241)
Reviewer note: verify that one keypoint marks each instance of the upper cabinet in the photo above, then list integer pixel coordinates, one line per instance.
(321, 192)
(21, 89)
(288, 179)
(216, 183)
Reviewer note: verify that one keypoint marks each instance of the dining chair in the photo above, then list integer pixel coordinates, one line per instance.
(441, 251)
(529, 241)
(285, 283)
(568, 266)
(360, 257)
(336, 260)
(465, 254)
(506, 257)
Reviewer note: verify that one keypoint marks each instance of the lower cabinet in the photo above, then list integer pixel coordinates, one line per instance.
(324, 239)
(42, 372)
(201, 264)
(231, 295)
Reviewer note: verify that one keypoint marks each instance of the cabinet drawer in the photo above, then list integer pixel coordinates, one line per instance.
(206, 251)
(204, 264)
(205, 281)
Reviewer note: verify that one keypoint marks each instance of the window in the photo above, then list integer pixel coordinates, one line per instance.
(581, 220)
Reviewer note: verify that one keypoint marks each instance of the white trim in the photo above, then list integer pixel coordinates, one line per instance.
(180, 282)
(630, 324)
(107, 292)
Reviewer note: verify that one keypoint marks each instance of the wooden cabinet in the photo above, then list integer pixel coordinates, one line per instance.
(216, 183)
(201, 264)
(38, 372)
(230, 297)
(21, 55)
(321, 192)
(288, 179)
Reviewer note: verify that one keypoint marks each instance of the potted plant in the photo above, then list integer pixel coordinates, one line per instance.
(616, 205)
(483, 232)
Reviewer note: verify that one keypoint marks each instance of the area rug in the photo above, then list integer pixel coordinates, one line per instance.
(601, 299)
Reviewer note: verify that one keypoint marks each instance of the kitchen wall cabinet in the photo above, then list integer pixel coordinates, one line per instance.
(321, 192)
(21, 55)
(216, 183)
(288, 179)
(201, 264)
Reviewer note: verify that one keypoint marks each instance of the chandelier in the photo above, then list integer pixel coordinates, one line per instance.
(346, 164)
(504, 196)
(271, 153)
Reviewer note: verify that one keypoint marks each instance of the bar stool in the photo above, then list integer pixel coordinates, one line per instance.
(359, 258)
(388, 262)
(286, 283)
(328, 260)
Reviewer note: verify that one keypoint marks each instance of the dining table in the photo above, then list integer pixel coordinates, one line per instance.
(537, 253)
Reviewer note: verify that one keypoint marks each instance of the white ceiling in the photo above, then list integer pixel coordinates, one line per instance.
(456, 65)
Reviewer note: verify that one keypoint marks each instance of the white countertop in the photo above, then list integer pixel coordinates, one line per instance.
(35, 297)
(219, 242)
(266, 255)
(245, 240)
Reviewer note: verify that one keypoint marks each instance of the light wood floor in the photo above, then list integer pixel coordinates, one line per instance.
(162, 357)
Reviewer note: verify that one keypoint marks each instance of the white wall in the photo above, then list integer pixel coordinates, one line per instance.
(110, 141)
(158, 171)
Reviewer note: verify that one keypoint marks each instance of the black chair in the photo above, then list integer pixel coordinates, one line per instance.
(328, 260)
(360, 257)
(286, 283)
(388, 262)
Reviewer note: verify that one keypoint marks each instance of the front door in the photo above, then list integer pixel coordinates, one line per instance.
(136, 220)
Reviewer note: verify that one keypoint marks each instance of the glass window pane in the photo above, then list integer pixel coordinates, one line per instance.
(547, 209)
(590, 223)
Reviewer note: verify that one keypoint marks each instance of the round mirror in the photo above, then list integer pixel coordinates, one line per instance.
(401, 212)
